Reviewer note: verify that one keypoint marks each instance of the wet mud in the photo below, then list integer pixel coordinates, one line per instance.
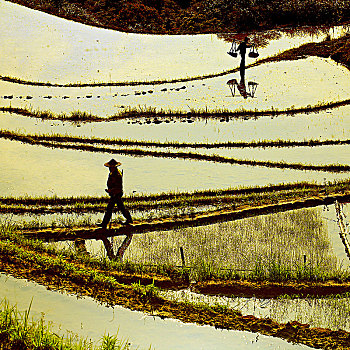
(217, 317)
(198, 219)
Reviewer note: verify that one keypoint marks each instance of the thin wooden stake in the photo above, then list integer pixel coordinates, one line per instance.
(182, 257)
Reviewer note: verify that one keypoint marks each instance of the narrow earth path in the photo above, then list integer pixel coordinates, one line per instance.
(198, 219)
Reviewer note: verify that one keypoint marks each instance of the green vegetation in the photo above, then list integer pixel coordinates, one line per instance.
(18, 332)
(58, 272)
(181, 155)
(150, 112)
(234, 198)
(54, 137)
(86, 276)
(253, 249)
(200, 16)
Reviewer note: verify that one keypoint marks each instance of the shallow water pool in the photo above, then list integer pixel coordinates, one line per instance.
(87, 318)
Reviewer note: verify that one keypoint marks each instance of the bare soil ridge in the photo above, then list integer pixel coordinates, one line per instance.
(54, 274)
(198, 219)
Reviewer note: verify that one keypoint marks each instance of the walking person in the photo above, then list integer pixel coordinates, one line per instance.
(242, 48)
(115, 191)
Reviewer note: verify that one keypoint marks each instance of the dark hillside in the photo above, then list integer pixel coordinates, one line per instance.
(195, 16)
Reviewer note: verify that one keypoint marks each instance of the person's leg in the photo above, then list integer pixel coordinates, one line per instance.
(109, 211)
(122, 209)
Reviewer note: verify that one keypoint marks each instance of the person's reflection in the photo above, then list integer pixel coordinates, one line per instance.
(241, 86)
(242, 48)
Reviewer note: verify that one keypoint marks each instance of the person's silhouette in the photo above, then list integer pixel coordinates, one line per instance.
(242, 48)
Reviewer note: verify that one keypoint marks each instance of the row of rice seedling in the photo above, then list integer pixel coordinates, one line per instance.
(10, 135)
(330, 311)
(277, 247)
(178, 204)
(17, 331)
(146, 298)
(152, 112)
(334, 168)
(308, 188)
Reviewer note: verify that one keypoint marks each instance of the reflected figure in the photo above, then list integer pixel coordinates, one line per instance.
(242, 48)
(241, 87)
(121, 250)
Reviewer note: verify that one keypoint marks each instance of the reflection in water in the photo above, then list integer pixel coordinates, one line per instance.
(121, 250)
(241, 86)
(89, 319)
(262, 39)
(343, 227)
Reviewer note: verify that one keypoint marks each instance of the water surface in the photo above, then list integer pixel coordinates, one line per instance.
(89, 319)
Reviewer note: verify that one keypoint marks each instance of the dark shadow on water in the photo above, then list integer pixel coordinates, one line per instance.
(233, 83)
(244, 90)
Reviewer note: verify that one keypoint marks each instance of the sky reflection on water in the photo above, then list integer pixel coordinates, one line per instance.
(89, 319)
(38, 171)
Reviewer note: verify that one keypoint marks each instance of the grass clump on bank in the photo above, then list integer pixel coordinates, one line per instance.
(336, 168)
(277, 247)
(17, 331)
(78, 279)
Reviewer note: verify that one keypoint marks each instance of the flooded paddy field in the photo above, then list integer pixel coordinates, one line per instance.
(184, 75)
(296, 83)
(229, 248)
(89, 319)
(333, 124)
(59, 172)
(72, 52)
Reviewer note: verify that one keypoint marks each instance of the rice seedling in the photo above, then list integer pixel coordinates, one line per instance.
(192, 156)
(328, 312)
(324, 312)
(254, 248)
(17, 331)
(172, 144)
(203, 113)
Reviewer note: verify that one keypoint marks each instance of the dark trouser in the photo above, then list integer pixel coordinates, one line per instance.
(116, 199)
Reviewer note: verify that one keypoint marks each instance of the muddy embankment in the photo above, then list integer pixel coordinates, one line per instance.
(61, 274)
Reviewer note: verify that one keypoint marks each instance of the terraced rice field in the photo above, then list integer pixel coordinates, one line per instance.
(237, 200)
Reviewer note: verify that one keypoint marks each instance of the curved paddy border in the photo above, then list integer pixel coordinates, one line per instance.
(333, 168)
(133, 83)
(171, 144)
(151, 112)
(228, 199)
(195, 219)
(336, 49)
(57, 273)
